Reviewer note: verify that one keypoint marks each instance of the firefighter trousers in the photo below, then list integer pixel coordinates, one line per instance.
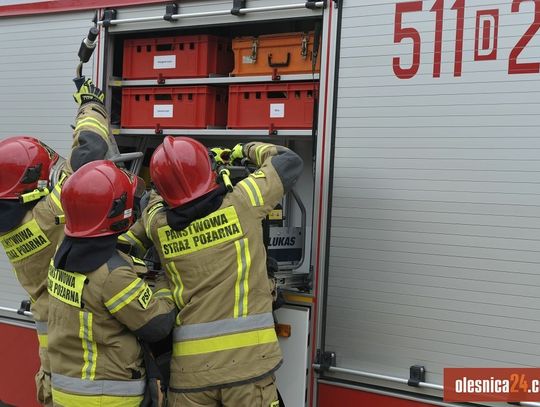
(262, 393)
(43, 379)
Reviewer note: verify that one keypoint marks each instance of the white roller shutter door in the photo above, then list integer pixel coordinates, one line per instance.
(435, 231)
(38, 56)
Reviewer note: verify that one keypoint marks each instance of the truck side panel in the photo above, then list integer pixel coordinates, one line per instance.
(433, 256)
(20, 362)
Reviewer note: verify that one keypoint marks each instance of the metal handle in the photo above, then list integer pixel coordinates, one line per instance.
(114, 21)
(279, 64)
(14, 311)
(127, 157)
(303, 222)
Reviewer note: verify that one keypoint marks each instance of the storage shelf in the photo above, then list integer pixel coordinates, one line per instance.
(218, 80)
(215, 132)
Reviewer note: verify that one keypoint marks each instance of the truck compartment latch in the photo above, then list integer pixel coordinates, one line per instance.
(326, 359)
(25, 307)
(417, 374)
(170, 10)
(237, 5)
(108, 16)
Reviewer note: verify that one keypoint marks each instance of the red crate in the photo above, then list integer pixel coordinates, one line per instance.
(177, 57)
(196, 107)
(272, 106)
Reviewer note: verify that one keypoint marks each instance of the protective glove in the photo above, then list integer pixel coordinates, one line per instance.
(237, 153)
(89, 92)
(221, 155)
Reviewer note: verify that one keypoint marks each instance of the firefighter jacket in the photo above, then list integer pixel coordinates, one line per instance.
(217, 267)
(91, 137)
(95, 320)
(31, 245)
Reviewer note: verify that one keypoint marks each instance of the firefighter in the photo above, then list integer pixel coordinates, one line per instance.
(29, 170)
(98, 306)
(28, 232)
(209, 241)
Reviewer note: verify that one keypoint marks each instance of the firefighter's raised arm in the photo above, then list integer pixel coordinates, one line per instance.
(91, 137)
(279, 169)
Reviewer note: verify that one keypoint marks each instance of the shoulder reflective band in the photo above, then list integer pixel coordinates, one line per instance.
(94, 125)
(219, 227)
(124, 297)
(24, 241)
(253, 191)
(151, 213)
(66, 286)
(259, 151)
(130, 239)
(225, 342)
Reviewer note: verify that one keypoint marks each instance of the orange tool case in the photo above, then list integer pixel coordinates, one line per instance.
(277, 53)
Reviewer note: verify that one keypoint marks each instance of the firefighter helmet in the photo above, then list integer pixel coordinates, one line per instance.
(25, 164)
(180, 169)
(98, 200)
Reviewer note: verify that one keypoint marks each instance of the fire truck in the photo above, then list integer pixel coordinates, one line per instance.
(410, 243)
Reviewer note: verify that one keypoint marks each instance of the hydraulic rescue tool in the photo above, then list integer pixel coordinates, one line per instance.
(86, 50)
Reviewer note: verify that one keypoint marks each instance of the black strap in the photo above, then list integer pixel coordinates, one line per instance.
(154, 378)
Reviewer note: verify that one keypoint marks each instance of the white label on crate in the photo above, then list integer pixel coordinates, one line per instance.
(165, 62)
(277, 110)
(246, 59)
(163, 110)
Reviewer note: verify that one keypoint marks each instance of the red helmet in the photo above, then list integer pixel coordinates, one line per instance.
(98, 200)
(25, 164)
(181, 170)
